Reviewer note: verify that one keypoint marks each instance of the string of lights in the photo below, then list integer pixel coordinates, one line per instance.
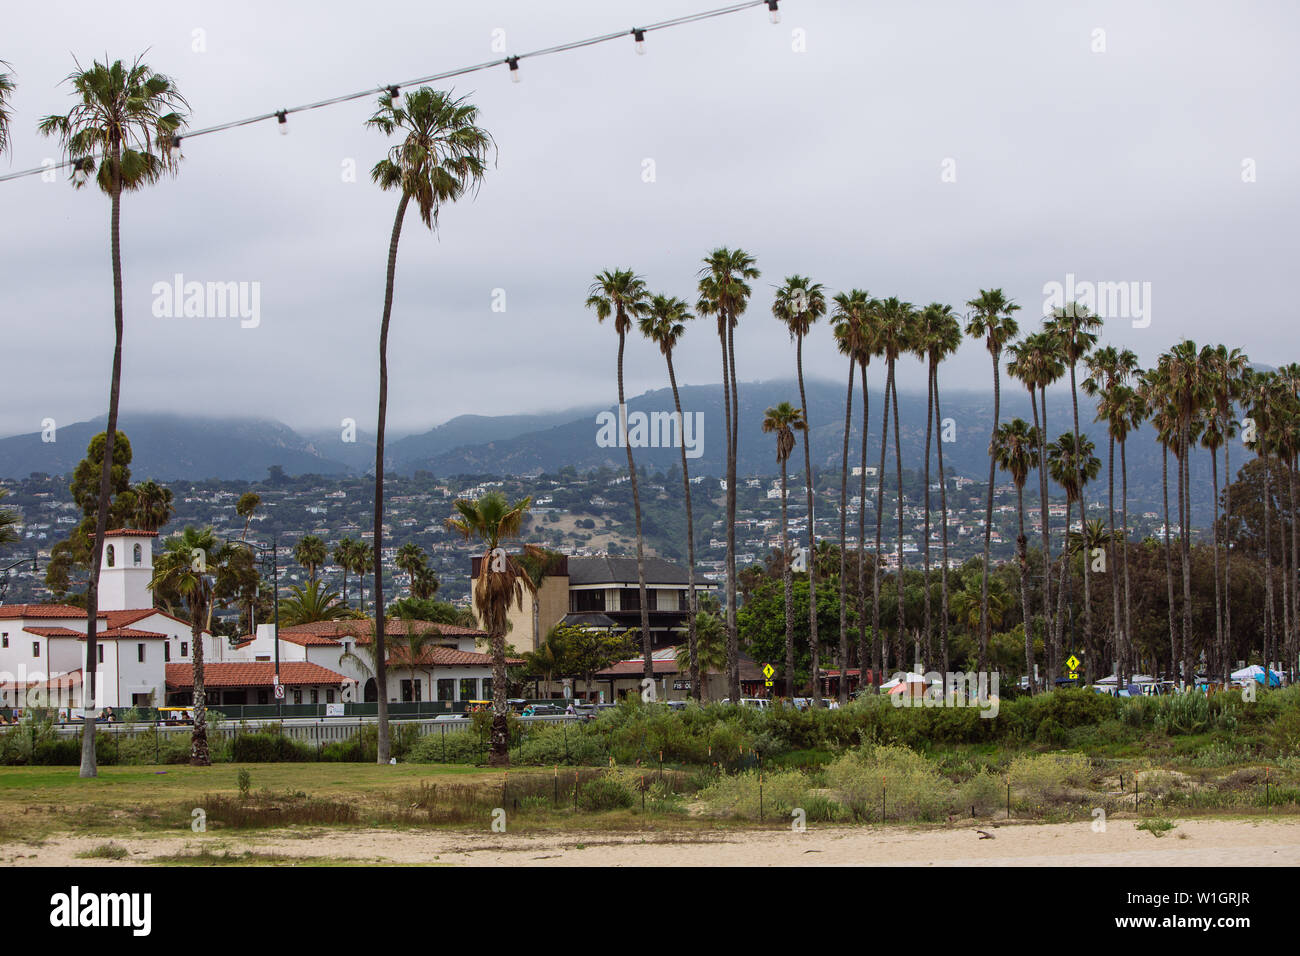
(281, 116)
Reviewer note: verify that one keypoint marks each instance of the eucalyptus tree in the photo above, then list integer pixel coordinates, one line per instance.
(501, 581)
(1015, 448)
(1110, 368)
(441, 157)
(123, 130)
(724, 292)
(850, 332)
(621, 293)
(665, 324)
(798, 305)
(187, 567)
(1037, 363)
(991, 320)
(783, 421)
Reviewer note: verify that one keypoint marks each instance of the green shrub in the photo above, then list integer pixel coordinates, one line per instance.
(604, 793)
(912, 788)
(1047, 775)
(269, 748)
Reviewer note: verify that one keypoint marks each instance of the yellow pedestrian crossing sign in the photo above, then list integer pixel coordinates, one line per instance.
(1073, 665)
(768, 671)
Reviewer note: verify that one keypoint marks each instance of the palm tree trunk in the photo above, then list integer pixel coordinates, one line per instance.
(988, 521)
(1089, 663)
(692, 638)
(880, 515)
(1128, 662)
(199, 756)
(812, 534)
(787, 580)
(1214, 666)
(1022, 553)
(648, 670)
(1169, 564)
(732, 634)
(1291, 576)
(1110, 567)
(1270, 617)
(844, 567)
(925, 547)
(381, 665)
(1052, 647)
(1228, 644)
(89, 767)
(943, 506)
(1189, 670)
(898, 464)
(863, 648)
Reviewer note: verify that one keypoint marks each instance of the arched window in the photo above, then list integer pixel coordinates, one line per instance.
(111, 554)
(138, 556)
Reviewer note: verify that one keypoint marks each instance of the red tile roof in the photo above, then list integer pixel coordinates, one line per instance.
(10, 611)
(54, 632)
(130, 532)
(69, 679)
(253, 674)
(444, 657)
(361, 628)
(116, 632)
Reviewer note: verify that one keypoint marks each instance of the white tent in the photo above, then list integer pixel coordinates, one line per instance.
(1256, 673)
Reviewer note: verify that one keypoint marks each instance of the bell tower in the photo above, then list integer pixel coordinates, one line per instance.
(125, 569)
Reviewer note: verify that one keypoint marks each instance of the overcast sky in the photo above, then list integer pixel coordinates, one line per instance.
(1126, 163)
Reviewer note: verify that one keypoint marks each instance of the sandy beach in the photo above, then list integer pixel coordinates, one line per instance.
(1192, 843)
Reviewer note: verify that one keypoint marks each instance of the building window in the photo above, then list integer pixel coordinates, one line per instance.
(593, 600)
(297, 697)
(329, 696)
(167, 651)
(139, 653)
(487, 688)
(261, 697)
(185, 648)
(36, 648)
(446, 688)
(315, 699)
(111, 555)
(100, 649)
(137, 556)
(468, 688)
(5, 638)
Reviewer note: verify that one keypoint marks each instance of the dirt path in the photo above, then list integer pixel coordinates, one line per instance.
(1192, 843)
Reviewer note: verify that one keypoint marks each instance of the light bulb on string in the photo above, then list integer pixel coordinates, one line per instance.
(639, 37)
(773, 13)
(513, 62)
(283, 117)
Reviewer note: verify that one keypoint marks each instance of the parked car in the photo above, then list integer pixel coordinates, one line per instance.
(543, 710)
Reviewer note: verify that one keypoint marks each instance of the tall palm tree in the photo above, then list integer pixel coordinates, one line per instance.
(622, 294)
(411, 559)
(442, 155)
(1110, 368)
(1036, 362)
(1226, 386)
(992, 321)
(902, 321)
(6, 91)
(1072, 464)
(311, 553)
(867, 348)
(798, 305)
(1015, 446)
(126, 119)
(850, 333)
(188, 566)
(724, 292)
(665, 324)
(1155, 391)
(783, 421)
(1122, 409)
(363, 561)
(540, 564)
(491, 521)
(941, 332)
(345, 558)
(1189, 395)
(1076, 329)
(153, 505)
(1288, 440)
